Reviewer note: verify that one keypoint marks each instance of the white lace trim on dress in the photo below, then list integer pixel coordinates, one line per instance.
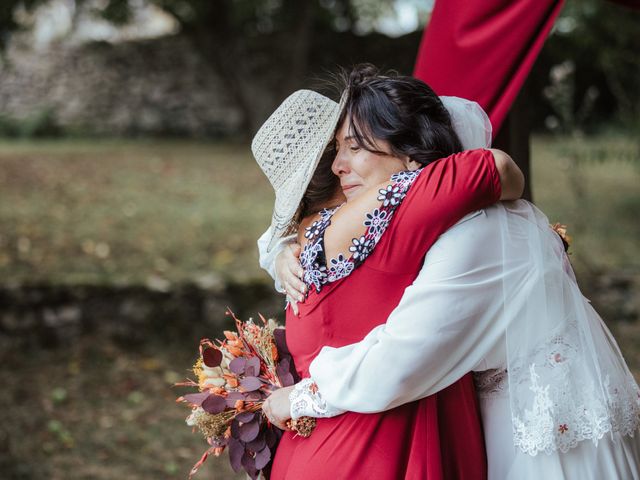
(306, 401)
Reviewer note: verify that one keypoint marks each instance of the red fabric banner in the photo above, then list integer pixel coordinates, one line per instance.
(483, 50)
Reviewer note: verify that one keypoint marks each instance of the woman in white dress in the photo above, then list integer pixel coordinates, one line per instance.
(496, 296)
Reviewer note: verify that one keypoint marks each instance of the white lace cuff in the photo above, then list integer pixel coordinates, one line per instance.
(306, 401)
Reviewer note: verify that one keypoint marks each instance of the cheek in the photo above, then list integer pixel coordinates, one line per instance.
(377, 169)
(361, 167)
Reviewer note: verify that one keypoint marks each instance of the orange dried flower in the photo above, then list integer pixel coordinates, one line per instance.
(217, 451)
(232, 381)
(561, 230)
(303, 426)
(235, 351)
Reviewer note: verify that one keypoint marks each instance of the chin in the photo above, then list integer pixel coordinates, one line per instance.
(352, 193)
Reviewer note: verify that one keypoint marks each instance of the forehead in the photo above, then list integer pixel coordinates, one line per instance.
(343, 129)
(345, 134)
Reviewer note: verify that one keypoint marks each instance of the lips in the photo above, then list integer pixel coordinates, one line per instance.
(346, 188)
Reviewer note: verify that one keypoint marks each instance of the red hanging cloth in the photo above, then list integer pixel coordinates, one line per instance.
(483, 50)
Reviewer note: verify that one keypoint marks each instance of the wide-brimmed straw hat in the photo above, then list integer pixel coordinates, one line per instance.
(288, 148)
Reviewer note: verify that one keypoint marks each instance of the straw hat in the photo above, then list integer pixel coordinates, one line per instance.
(288, 148)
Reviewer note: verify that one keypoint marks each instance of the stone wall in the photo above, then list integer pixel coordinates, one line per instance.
(155, 87)
(57, 316)
(164, 87)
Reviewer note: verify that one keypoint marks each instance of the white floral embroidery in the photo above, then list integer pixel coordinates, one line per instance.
(313, 259)
(391, 196)
(339, 268)
(309, 254)
(327, 213)
(361, 248)
(377, 221)
(561, 412)
(405, 178)
(316, 276)
(320, 225)
(306, 401)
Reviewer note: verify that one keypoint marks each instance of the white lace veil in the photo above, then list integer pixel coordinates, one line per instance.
(568, 381)
(470, 122)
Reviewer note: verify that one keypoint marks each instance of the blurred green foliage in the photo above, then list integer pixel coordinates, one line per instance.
(38, 125)
(597, 42)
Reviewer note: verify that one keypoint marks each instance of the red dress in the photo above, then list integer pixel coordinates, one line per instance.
(438, 437)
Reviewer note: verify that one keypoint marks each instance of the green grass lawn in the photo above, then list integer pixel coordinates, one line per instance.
(593, 186)
(98, 411)
(122, 212)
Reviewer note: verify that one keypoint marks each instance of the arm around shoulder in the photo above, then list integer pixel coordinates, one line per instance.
(267, 258)
(511, 177)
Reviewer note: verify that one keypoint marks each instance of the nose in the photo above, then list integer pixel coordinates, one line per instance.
(340, 165)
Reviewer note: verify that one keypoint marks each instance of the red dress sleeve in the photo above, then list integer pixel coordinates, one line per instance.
(444, 192)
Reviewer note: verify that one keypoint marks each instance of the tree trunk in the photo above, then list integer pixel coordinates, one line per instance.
(299, 45)
(514, 137)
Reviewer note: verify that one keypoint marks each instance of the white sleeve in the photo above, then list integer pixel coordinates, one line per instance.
(445, 325)
(267, 259)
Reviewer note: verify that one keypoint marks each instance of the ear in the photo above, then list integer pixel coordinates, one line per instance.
(410, 164)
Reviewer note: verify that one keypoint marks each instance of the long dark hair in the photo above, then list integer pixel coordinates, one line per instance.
(402, 110)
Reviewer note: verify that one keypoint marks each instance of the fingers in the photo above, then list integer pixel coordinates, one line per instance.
(266, 409)
(293, 260)
(293, 304)
(290, 273)
(296, 249)
(280, 425)
(295, 288)
(293, 274)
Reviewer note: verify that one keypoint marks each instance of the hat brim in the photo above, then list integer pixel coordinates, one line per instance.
(285, 207)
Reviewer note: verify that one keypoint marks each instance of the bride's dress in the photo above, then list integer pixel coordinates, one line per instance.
(614, 457)
(497, 296)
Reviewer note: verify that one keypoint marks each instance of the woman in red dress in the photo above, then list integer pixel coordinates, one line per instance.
(360, 256)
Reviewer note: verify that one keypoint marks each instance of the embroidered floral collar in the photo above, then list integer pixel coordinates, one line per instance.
(317, 270)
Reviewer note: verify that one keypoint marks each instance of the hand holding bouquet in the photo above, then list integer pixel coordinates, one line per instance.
(234, 377)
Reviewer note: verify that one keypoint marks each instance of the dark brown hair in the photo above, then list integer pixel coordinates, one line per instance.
(401, 110)
(322, 189)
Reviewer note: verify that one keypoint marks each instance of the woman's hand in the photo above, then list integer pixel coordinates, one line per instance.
(289, 274)
(277, 407)
(511, 177)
